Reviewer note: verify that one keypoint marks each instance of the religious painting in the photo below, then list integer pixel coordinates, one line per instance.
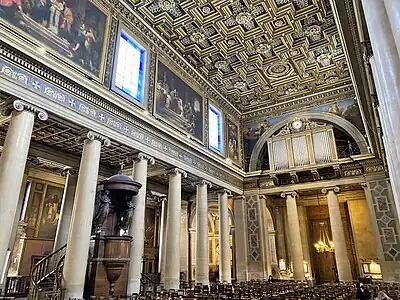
(50, 212)
(233, 141)
(74, 29)
(177, 103)
(150, 219)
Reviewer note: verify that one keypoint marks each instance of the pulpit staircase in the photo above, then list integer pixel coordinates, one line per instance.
(46, 277)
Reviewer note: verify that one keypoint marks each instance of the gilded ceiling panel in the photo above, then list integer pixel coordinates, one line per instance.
(258, 53)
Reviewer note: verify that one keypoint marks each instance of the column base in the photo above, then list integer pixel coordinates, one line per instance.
(74, 291)
(171, 284)
(133, 287)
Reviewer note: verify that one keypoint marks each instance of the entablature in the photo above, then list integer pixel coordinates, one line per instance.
(22, 77)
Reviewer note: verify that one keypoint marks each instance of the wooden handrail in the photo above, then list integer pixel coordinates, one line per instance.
(44, 268)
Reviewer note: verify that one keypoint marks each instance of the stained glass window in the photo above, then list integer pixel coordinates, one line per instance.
(215, 128)
(130, 67)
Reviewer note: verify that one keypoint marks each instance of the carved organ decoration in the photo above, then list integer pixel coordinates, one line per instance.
(302, 143)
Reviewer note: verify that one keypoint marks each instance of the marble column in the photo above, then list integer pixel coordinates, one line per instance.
(66, 209)
(339, 240)
(202, 233)
(172, 251)
(136, 229)
(294, 234)
(224, 245)
(280, 235)
(163, 239)
(240, 238)
(387, 76)
(82, 214)
(393, 11)
(12, 167)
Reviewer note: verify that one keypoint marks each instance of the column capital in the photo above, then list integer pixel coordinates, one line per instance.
(177, 171)
(203, 182)
(225, 191)
(141, 156)
(68, 171)
(21, 105)
(292, 194)
(335, 189)
(92, 135)
(32, 161)
(364, 185)
(239, 198)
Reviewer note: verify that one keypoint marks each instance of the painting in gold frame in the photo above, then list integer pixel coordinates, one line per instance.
(74, 30)
(177, 103)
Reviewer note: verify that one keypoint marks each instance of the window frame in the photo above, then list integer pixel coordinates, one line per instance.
(213, 109)
(122, 30)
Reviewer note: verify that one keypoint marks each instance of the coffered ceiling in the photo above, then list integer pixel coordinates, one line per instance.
(258, 53)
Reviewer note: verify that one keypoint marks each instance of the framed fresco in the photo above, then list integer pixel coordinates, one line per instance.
(74, 30)
(178, 104)
(233, 142)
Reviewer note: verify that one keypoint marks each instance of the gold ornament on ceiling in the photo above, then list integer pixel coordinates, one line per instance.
(282, 48)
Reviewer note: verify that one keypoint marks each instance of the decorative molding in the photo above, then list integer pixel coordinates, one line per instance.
(125, 11)
(112, 43)
(21, 105)
(177, 171)
(110, 116)
(253, 228)
(31, 161)
(203, 182)
(141, 156)
(335, 189)
(386, 218)
(92, 136)
(301, 103)
(292, 194)
(225, 191)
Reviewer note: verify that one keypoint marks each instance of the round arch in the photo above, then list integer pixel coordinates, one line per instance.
(331, 118)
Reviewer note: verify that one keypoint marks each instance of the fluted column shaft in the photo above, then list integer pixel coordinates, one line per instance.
(393, 11)
(339, 240)
(12, 167)
(66, 210)
(224, 246)
(172, 253)
(202, 234)
(136, 229)
(295, 236)
(387, 74)
(82, 214)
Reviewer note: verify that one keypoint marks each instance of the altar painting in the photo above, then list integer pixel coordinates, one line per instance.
(75, 29)
(178, 104)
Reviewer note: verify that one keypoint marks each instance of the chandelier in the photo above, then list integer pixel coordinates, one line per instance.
(324, 244)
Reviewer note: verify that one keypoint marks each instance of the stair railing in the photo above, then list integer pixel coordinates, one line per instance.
(49, 266)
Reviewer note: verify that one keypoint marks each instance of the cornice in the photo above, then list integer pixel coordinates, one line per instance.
(301, 103)
(114, 119)
(96, 95)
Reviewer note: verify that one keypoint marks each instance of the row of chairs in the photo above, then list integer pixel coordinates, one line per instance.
(263, 290)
